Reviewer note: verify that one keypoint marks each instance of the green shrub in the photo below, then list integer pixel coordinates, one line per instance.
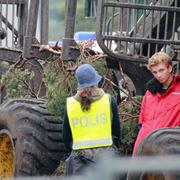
(17, 82)
(62, 84)
(129, 112)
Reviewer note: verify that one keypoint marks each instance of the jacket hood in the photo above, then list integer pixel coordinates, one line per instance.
(154, 86)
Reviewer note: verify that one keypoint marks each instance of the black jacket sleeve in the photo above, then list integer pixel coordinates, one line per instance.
(115, 121)
(67, 135)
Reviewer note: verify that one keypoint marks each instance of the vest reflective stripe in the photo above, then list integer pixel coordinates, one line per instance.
(92, 143)
(90, 128)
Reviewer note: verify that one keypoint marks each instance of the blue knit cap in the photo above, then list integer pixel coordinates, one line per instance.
(87, 76)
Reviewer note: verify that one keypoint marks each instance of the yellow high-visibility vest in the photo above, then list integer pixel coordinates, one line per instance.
(90, 128)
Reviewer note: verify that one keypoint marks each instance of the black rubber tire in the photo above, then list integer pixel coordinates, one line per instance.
(139, 75)
(137, 72)
(165, 141)
(161, 141)
(37, 136)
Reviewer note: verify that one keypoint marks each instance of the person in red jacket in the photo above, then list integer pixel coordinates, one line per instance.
(160, 107)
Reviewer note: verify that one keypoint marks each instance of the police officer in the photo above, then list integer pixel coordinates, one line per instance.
(91, 121)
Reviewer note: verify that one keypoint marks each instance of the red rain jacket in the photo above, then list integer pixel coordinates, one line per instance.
(159, 111)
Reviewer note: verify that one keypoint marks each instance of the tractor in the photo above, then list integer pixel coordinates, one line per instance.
(30, 136)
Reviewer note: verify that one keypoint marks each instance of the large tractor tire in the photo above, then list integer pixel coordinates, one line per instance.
(30, 139)
(164, 142)
(137, 76)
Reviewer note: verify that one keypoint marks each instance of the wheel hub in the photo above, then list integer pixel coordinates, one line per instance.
(6, 155)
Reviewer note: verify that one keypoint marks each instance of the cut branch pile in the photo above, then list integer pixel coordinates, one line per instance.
(60, 82)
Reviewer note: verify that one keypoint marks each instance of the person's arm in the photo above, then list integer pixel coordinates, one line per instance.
(143, 106)
(115, 121)
(141, 114)
(67, 135)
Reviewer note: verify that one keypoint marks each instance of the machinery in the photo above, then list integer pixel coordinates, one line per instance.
(139, 28)
(30, 137)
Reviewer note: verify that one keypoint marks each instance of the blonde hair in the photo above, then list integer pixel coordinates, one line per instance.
(159, 57)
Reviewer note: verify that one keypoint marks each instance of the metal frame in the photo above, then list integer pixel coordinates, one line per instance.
(69, 50)
(27, 45)
(13, 19)
(24, 41)
(154, 30)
